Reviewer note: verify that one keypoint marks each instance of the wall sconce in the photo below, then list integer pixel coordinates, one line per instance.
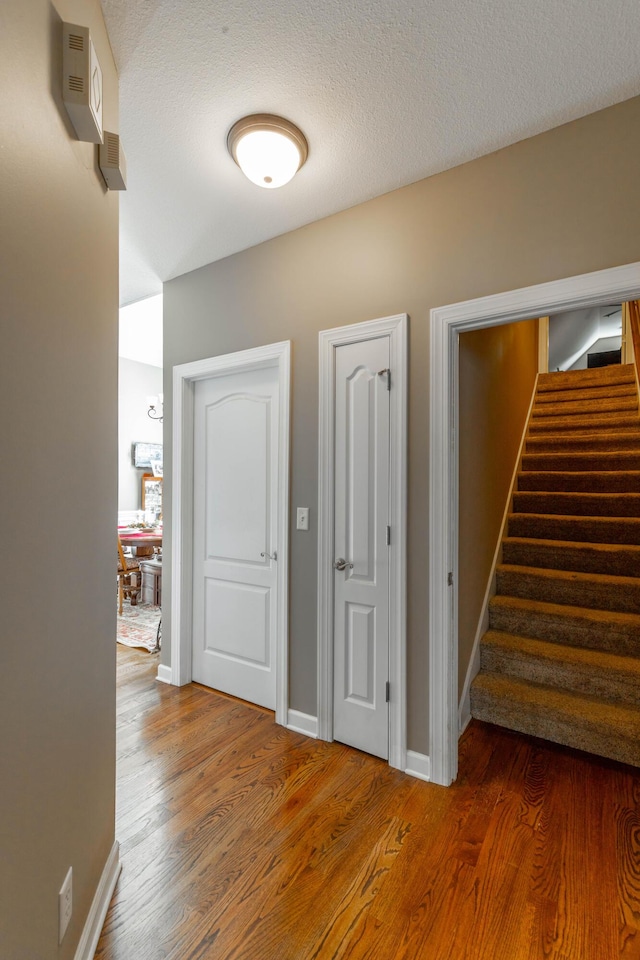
(269, 150)
(156, 407)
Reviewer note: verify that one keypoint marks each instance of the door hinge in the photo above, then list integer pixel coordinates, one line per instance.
(388, 692)
(450, 579)
(386, 373)
(388, 535)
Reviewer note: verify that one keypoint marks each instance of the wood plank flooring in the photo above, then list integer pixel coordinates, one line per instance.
(240, 839)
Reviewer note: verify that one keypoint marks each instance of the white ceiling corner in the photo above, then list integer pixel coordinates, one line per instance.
(386, 94)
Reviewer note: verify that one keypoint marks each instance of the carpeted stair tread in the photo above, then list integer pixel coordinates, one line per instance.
(589, 393)
(585, 723)
(600, 591)
(562, 623)
(586, 442)
(577, 504)
(581, 408)
(592, 672)
(615, 559)
(579, 481)
(587, 529)
(591, 423)
(572, 379)
(622, 460)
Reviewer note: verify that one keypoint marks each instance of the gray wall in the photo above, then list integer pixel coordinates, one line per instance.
(58, 374)
(569, 332)
(553, 206)
(136, 382)
(603, 345)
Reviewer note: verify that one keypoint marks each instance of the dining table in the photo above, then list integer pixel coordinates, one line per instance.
(141, 541)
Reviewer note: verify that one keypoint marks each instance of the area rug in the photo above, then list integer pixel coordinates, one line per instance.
(138, 626)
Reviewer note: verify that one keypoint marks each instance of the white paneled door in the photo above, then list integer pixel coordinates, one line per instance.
(235, 504)
(361, 564)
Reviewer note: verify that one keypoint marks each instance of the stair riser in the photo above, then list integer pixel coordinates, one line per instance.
(574, 481)
(579, 529)
(549, 726)
(583, 408)
(578, 504)
(573, 631)
(589, 422)
(587, 394)
(580, 461)
(576, 593)
(584, 444)
(581, 559)
(580, 678)
(548, 430)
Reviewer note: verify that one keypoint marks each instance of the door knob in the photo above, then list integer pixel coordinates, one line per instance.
(271, 556)
(341, 564)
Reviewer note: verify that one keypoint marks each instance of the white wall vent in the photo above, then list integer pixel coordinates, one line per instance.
(82, 82)
(112, 162)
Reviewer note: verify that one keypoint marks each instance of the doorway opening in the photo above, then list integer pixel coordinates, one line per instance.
(186, 377)
(140, 469)
(586, 291)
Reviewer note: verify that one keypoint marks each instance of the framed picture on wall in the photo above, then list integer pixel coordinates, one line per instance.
(144, 455)
(152, 494)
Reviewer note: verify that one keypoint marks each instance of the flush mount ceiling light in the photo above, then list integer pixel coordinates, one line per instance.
(269, 150)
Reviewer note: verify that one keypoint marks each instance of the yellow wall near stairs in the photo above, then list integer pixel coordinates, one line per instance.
(498, 369)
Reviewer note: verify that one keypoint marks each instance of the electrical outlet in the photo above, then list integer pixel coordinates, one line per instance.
(65, 904)
(302, 518)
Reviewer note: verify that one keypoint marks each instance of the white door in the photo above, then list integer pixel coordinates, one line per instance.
(234, 528)
(361, 567)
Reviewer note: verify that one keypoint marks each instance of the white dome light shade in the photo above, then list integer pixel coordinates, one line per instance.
(268, 149)
(267, 158)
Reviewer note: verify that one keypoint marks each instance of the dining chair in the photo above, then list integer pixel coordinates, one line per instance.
(129, 578)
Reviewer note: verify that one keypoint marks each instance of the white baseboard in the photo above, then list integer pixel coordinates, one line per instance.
(100, 905)
(164, 673)
(302, 723)
(418, 765)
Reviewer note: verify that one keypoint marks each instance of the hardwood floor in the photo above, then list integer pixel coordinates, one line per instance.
(240, 839)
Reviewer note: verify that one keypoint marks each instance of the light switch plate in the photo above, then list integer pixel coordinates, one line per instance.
(302, 522)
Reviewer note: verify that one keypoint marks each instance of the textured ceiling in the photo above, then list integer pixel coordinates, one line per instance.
(386, 94)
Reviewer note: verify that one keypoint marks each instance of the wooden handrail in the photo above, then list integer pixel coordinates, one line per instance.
(633, 306)
(631, 329)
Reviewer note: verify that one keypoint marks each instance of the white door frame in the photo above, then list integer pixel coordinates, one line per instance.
(446, 324)
(184, 379)
(396, 329)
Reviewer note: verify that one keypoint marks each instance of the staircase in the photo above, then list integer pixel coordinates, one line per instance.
(561, 658)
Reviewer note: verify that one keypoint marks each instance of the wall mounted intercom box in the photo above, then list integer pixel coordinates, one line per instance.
(82, 82)
(112, 162)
